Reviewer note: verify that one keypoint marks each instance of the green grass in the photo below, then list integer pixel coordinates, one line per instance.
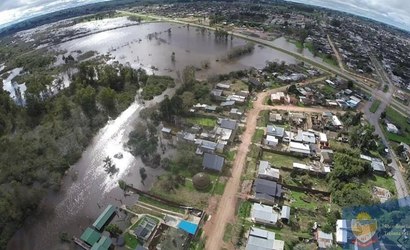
(258, 136)
(375, 106)
(219, 188)
(263, 119)
(230, 155)
(228, 232)
(244, 209)
(282, 161)
(385, 88)
(203, 121)
(131, 241)
(298, 201)
(400, 121)
(380, 181)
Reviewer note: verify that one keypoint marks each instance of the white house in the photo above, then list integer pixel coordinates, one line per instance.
(265, 171)
(264, 214)
(341, 231)
(271, 141)
(300, 148)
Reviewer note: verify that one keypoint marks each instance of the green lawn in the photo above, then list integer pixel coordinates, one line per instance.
(282, 161)
(400, 121)
(302, 200)
(258, 136)
(380, 181)
(203, 121)
(131, 241)
(263, 119)
(245, 209)
(375, 106)
(219, 187)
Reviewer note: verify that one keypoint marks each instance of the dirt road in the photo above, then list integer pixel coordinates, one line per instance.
(214, 228)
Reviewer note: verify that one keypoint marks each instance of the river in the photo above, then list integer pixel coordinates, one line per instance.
(86, 189)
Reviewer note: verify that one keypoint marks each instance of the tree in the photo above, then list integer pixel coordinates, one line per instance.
(173, 57)
(86, 98)
(188, 75)
(113, 229)
(122, 184)
(107, 98)
(109, 166)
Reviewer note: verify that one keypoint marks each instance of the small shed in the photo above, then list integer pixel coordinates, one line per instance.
(285, 214)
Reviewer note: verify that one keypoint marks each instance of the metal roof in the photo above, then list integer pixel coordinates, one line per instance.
(264, 213)
(260, 239)
(90, 236)
(265, 189)
(213, 162)
(103, 244)
(285, 213)
(228, 123)
(104, 217)
(275, 131)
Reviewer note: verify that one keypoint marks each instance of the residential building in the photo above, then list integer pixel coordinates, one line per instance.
(271, 141)
(378, 166)
(279, 97)
(216, 94)
(326, 157)
(265, 171)
(299, 148)
(223, 85)
(213, 162)
(323, 138)
(276, 131)
(267, 190)
(324, 240)
(336, 122)
(104, 217)
(264, 214)
(275, 117)
(260, 239)
(228, 124)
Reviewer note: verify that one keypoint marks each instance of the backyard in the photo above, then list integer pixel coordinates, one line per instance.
(203, 121)
(401, 122)
(282, 161)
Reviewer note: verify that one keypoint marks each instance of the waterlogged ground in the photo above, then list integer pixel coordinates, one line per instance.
(87, 189)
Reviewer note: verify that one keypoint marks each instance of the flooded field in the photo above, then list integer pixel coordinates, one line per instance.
(151, 45)
(87, 189)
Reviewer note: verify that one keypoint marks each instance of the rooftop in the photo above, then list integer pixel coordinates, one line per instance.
(213, 162)
(264, 213)
(90, 236)
(266, 189)
(104, 217)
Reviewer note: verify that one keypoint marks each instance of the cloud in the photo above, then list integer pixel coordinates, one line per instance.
(394, 12)
(12, 11)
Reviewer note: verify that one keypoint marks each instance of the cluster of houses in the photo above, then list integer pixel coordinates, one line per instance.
(269, 191)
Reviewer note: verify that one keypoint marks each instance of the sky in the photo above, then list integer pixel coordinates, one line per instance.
(394, 12)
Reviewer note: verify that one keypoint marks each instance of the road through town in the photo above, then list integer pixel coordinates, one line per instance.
(215, 227)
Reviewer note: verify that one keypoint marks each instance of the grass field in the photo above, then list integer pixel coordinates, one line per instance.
(159, 204)
(258, 136)
(282, 161)
(301, 200)
(400, 121)
(384, 182)
(203, 121)
(131, 241)
(375, 106)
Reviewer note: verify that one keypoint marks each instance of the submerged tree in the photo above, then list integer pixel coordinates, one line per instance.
(109, 166)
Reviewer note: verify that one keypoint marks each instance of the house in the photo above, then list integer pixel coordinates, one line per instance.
(105, 217)
(224, 133)
(235, 113)
(228, 124)
(216, 94)
(299, 148)
(188, 137)
(285, 214)
(223, 85)
(406, 151)
(273, 130)
(378, 166)
(307, 137)
(275, 117)
(392, 128)
(103, 244)
(210, 108)
(336, 122)
(145, 228)
(255, 83)
(264, 214)
(265, 171)
(213, 162)
(237, 98)
(260, 239)
(205, 146)
(90, 236)
(267, 190)
(324, 240)
(326, 157)
(279, 97)
(271, 141)
(342, 231)
(227, 104)
(323, 138)
(166, 132)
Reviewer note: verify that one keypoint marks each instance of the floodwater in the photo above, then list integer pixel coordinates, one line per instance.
(191, 46)
(86, 188)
